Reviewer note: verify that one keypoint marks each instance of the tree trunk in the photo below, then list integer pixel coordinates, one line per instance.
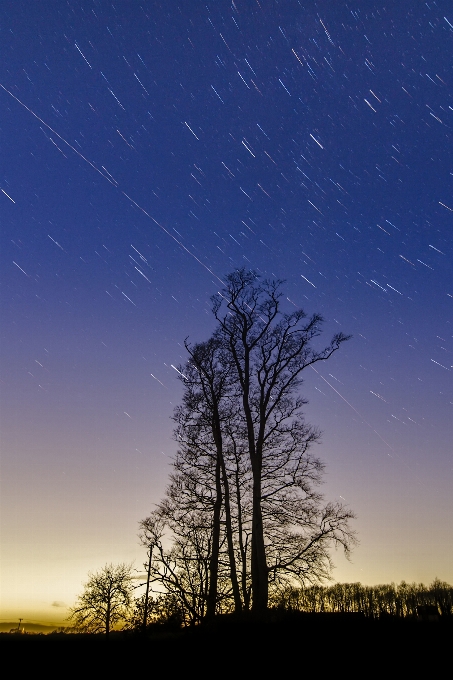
(259, 572)
(145, 609)
(214, 561)
(242, 547)
(229, 533)
(260, 585)
(107, 621)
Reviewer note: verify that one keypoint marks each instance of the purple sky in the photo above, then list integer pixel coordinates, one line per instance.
(310, 141)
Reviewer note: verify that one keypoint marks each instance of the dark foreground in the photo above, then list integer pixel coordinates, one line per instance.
(300, 643)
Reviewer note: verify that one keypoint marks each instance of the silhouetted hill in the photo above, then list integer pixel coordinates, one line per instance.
(280, 643)
(6, 626)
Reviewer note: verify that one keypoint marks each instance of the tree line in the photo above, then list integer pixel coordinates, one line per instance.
(108, 602)
(401, 600)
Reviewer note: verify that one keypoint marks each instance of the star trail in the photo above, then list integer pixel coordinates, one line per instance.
(150, 148)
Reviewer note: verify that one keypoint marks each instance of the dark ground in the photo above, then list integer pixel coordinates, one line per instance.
(298, 643)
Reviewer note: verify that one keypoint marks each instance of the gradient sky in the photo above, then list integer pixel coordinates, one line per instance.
(148, 148)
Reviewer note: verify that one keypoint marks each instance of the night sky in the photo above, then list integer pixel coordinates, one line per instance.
(147, 149)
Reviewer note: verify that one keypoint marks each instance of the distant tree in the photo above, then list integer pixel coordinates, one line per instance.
(402, 600)
(106, 600)
(442, 595)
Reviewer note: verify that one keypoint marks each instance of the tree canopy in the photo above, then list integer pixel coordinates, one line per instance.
(105, 601)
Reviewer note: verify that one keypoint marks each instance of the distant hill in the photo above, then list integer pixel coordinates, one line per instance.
(6, 626)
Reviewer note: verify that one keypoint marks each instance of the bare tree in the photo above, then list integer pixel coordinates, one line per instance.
(106, 599)
(267, 350)
(182, 540)
(242, 512)
(203, 424)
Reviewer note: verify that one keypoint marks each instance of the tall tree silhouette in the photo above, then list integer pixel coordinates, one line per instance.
(242, 508)
(202, 433)
(267, 350)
